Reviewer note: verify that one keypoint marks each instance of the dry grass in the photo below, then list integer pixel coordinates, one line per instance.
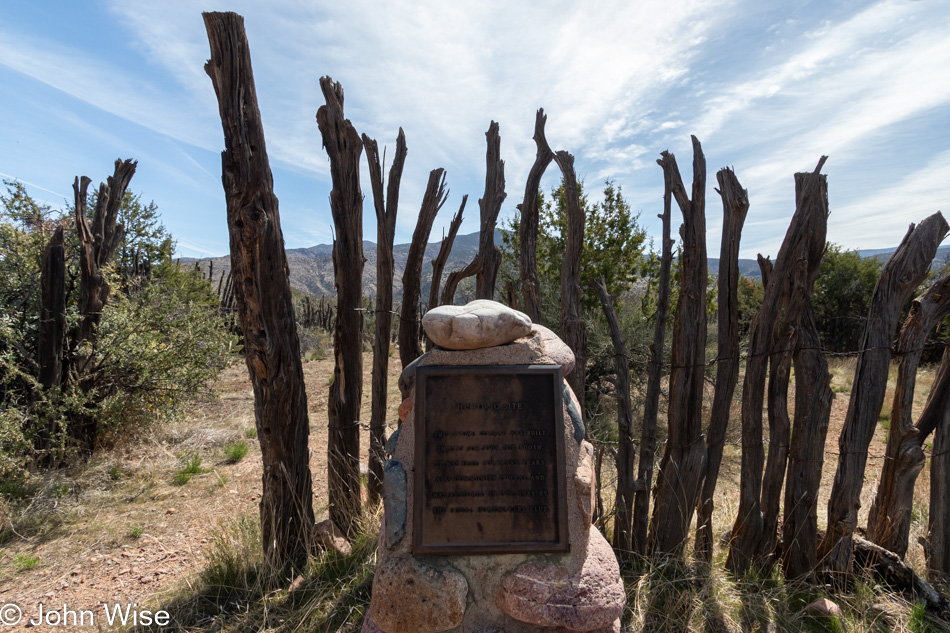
(87, 528)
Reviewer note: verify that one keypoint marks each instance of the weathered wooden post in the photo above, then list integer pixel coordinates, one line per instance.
(264, 302)
(735, 206)
(684, 460)
(344, 147)
(385, 234)
(902, 274)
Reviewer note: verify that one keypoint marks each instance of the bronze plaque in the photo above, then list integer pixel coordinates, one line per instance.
(489, 460)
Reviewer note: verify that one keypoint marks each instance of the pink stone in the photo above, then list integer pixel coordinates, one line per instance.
(410, 596)
(613, 628)
(327, 536)
(544, 594)
(556, 349)
(584, 480)
(369, 626)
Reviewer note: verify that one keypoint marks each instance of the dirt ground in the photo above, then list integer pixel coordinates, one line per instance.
(119, 530)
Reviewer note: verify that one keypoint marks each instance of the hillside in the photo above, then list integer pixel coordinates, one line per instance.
(311, 269)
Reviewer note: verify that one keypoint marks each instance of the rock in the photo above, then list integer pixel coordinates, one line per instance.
(327, 536)
(407, 379)
(410, 596)
(479, 324)
(584, 480)
(544, 595)
(613, 628)
(390, 447)
(557, 349)
(394, 501)
(825, 608)
(405, 408)
(369, 626)
(574, 412)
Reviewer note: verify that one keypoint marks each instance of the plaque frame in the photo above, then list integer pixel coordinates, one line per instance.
(420, 547)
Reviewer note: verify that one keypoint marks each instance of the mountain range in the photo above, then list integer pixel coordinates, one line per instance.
(311, 269)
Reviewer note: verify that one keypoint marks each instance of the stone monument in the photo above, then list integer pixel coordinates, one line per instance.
(488, 490)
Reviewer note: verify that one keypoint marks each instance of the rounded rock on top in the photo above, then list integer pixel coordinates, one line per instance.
(479, 324)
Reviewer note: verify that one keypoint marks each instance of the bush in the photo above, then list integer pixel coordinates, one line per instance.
(159, 342)
(235, 452)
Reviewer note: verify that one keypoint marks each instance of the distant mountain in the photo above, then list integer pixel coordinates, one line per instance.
(311, 269)
(883, 254)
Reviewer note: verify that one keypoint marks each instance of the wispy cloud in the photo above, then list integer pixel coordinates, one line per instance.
(767, 89)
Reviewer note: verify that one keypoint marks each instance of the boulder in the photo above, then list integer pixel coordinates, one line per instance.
(327, 536)
(410, 596)
(545, 595)
(479, 324)
(556, 349)
(394, 501)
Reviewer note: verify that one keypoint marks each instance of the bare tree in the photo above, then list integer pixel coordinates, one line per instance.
(485, 264)
(937, 415)
(573, 328)
(97, 245)
(735, 206)
(344, 146)
(889, 519)
(644, 482)
(772, 340)
(432, 201)
(264, 303)
(52, 311)
(528, 227)
(902, 274)
(806, 454)
(445, 249)
(626, 450)
(385, 234)
(684, 460)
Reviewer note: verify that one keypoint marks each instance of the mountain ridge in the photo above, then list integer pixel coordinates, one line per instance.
(311, 268)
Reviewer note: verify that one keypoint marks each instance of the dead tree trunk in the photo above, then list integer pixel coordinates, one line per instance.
(936, 415)
(899, 575)
(52, 328)
(445, 249)
(263, 297)
(385, 234)
(904, 271)
(626, 449)
(573, 328)
(528, 228)
(813, 398)
(409, 346)
(735, 206)
(684, 460)
(641, 500)
(97, 245)
(344, 146)
(485, 264)
(52, 311)
(889, 518)
(771, 340)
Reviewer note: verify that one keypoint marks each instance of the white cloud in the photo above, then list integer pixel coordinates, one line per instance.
(880, 218)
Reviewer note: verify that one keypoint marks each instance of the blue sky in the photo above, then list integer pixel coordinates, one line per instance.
(768, 87)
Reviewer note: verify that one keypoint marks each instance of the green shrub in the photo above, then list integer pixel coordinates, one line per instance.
(24, 562)
(159, 343)
(235, 451)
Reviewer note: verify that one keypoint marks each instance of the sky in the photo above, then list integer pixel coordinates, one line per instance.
(767, 87)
